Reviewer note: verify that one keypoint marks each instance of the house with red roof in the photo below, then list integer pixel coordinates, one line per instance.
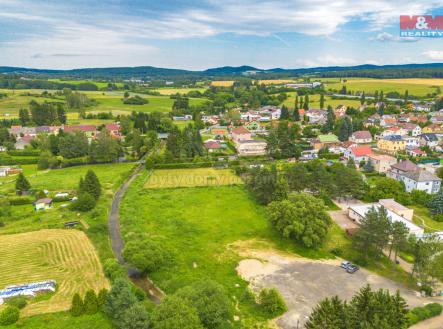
(358, 153)
(114, 129)
(240, 133)
(212, 146)
(361, 137)
(89, 130)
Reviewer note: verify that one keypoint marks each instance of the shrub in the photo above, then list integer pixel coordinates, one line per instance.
(434, 309)
(19, 201)
(9, 315)
(90, 302)
(438, 218)
(77, 306)
(85, 202)
(2, 224)
(101, 298)
(272, 302)
(17, 301)
(113, 270)
(337, 251)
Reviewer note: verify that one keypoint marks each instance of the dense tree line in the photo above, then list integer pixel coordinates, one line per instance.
(184, 144)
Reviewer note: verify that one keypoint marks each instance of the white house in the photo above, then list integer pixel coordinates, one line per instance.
(430, 140)
(411, 142)
(43, 204)
(251, 147)
(420, 180)
(361, 137)
(359, 212)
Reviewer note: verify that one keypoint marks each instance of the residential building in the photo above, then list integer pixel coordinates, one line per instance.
(361, 137)
(415, 152)
(251, 147)
(358, 153)
(394, 130)
(316, 116)
(401, 168)
(329, 140)
(8, 171)
(382, 162)
(412, 129)
(212, 146)
(429, 139)
(340, 111)
(421, 180)
(43, 204)
(89, 130)
(397, 208)
(391, 144)
(412, 142)
(22, 142)
(114, 129)
(433, 129)
(240, 133)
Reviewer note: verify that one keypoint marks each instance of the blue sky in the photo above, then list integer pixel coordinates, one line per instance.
(210, 33)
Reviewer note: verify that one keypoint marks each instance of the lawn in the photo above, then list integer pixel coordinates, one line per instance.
(415, 87)
(66, 256)
(63, 320)
(314, 101)
(424, 219)
(174, 178)
(10, 105)
(99, 84)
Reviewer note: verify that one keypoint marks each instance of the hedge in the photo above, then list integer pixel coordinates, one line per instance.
(24, 152)
(183, 165)
(10, 161)
(19, 201)
(418, 314)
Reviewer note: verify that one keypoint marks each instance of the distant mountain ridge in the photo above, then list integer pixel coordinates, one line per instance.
(225, 71)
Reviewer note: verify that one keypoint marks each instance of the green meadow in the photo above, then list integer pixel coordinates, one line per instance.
(314, 101)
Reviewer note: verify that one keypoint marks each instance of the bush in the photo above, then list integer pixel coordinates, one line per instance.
(101, 298)
(9, 316)
(438, 218)
(90, 302)
(85, 202)
(337, 251)
(77, 307)
(272, 302)
(113, 270)
(20, 201)
(2, 224)
(434, 309)
(17, 301)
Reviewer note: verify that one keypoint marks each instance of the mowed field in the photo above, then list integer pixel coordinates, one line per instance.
(314, 101)
(99, 84)
(172, 91)
(66, 256)
(165, 178)
(415, 87)
(227, 83)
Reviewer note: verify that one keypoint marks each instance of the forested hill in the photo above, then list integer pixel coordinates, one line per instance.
(430, 70)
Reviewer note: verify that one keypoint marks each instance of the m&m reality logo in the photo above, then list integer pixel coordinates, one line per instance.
(426, 26)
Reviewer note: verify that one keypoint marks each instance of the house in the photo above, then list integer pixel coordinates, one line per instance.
(381, 162)
(240, 133)
(433, 129)
(219, 131)
(394, 130)
(7, 171)
(438, 119)
(316, 116)
(273, 112)
(421, 180)
(251, 147)
(429, 139)
(412, 142)
(412, 129)
(329, 140)
(43, 204)
(212, 146)
(340, 111)
(415, 152)
(23, 142)
(388, 121)
(89, 130)
(250, 116)
(114, 129)
(358, 212)
(186, 117)
(211, 119)
(361, 137)
(31, 289)
(358, 153)
(397, 208)
(401, 168)
(391, 144)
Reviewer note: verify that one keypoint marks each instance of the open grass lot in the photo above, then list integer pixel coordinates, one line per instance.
(63, 320)
(415, 87)
(10, 105)
(165, 178)
(172, 91)
(66, 256)
(424, 219)
(314, 101)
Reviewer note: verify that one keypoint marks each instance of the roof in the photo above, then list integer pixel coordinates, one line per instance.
(212, 145)
(112, 126)
(392, 204)
(329, 138)
(362, 210)
(362, 134)
(240, 130)
(361, 150)
(421, 176)
(252, 141)
(405, 165)
(44, 200)
(429, 137)
(393, 138)
(80, 128)
(382, 157)
(409, 126)
(417, 151)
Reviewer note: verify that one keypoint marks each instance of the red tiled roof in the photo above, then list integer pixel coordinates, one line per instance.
(240, 130)
(112, 126)
(80, 127)
(212, 145)
(361, 150)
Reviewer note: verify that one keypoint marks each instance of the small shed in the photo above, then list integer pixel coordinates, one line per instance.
(43, 204)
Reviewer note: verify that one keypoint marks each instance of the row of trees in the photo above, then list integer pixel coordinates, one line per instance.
(47, 113)
(88, 192)
(184, 144)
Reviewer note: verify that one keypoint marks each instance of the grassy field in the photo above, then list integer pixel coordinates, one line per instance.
(191, 177)
(15, 100)
(172, 91)
(314, 101)
(66, 256)
(276, 81)
(424, 219)
(415, 87)
(77, 82)
(63, 320)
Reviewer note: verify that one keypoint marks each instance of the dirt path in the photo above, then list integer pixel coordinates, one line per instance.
(136, 276)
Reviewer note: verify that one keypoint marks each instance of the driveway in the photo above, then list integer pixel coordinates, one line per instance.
(304, 282)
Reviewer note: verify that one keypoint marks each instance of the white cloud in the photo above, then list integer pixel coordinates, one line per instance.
(434, 54)
(388, 37)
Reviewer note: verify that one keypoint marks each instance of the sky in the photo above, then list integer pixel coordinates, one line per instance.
(202, 34)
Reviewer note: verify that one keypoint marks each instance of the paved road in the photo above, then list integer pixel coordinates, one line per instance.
(154, 293)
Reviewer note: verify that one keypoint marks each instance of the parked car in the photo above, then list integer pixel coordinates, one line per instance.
(352, 269)
(345, 265)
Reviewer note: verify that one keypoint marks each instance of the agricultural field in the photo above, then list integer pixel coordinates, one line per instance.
(415, 87)
(276, 81)
(227, 83)
(63, 320)
(174, 178)
(173, 91)
(16, 99)
(77, 82)
(66, 256)
(314, 101)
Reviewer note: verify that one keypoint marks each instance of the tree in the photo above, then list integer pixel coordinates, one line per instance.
(85, 202)
(9, 315)
(369, 166)
(350, 163)
(213, 306)
(105, 148)
(301, 217)
(362, 98)
(406, 96)
(119, 299)
(22, 185)
(284, 115)
(77, 306)
(373, 235)
(146, 254)
(135, 317)
(174, 312)
(271, 301)
(262, 183)
(322, 101)
(399, 238)
(329, 313)
(73, 145)
(24, 117)
(90, 185)
(330, 120)
(101, 297)
(306, 103)
(344, 129)
(90, 302)
(424, 251)
(440, 172)
(436, 203)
